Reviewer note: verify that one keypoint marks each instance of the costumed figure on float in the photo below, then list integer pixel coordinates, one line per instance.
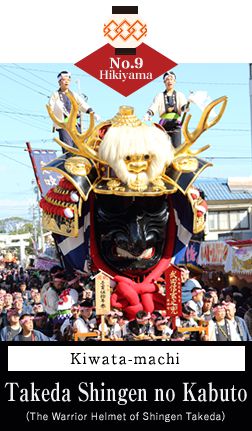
(126, 203)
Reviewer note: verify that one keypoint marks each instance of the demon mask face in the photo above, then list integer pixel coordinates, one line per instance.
(131, 231)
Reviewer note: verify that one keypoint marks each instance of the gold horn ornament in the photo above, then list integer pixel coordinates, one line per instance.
(81, 140)
(185, 159)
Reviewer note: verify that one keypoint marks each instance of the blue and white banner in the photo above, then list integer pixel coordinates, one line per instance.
(45, 179)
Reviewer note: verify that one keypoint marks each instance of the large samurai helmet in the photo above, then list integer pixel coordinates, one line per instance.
(131, 158)
(126, 163)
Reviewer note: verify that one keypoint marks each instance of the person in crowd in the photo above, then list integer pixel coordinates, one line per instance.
(139, 328)
(189, 282)
(51, 296)
(28, 333)
(21, 308)
(207, 313)
(3, 314)
(112, 328)
(88, 322)
(9, 280)
(161, 329)
(37, 308)
(188, 320)
(36, 298)
(32, 293)
(123, 323)
(214, 294)
(238, 328)
(41, 323)
(23, 289)
(219, 328)
(239, 301)
(197, 299)
(55, 270)
(170, 105)
(13, 327)
(248, 315)
(72, 324)
(227, 294)
(61, 106)
(8, 302)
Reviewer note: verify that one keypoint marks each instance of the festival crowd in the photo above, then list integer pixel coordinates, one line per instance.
(55, 305)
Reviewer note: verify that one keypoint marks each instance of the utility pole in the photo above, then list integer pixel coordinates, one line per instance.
(81, 113)
(35, 233)
(42, 243)
(40, 222)
(85, 97)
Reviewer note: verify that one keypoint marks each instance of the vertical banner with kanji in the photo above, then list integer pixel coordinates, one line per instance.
(45, 179)
(102, 294)
(173, 291)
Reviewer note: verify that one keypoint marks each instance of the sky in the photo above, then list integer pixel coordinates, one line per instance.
(25, 89)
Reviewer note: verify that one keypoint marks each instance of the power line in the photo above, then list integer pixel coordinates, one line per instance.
(220, 129)
(228, 158)
(14, 160)
(25, 79)
(25, 115)
(5, 104)
(24, 148)
(33, 74)
(24, 122)
(24, 85)
(5, 141)
(229, 130)
(211, 83)
(12, 146)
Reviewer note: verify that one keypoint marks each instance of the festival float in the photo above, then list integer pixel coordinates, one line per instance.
(126, 204)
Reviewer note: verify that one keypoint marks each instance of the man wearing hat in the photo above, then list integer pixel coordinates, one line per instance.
(169, 104)
(61, 106)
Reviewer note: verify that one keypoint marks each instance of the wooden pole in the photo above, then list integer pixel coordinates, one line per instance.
(102, 327)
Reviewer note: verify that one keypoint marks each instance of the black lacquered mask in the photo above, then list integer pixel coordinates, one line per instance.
(131, 231)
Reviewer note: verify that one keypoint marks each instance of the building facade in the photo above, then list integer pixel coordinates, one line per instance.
(229, 208)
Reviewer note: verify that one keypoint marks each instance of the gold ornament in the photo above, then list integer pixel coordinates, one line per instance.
(78, 166)
(185, 164)
(113, 184)
(158, 185)
(137, 163)
(138, 185)
(125, 117)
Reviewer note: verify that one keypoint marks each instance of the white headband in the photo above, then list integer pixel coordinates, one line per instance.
(64, 75)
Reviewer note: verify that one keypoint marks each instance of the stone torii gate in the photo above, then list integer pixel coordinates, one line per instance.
(19, 240)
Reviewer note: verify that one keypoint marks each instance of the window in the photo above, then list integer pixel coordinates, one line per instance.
(213, 220)
(228, 220)
(223, 220)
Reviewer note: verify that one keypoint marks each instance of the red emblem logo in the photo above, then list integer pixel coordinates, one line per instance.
(125, 64)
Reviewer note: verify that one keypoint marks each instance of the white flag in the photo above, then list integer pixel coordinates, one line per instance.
(201, 99)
